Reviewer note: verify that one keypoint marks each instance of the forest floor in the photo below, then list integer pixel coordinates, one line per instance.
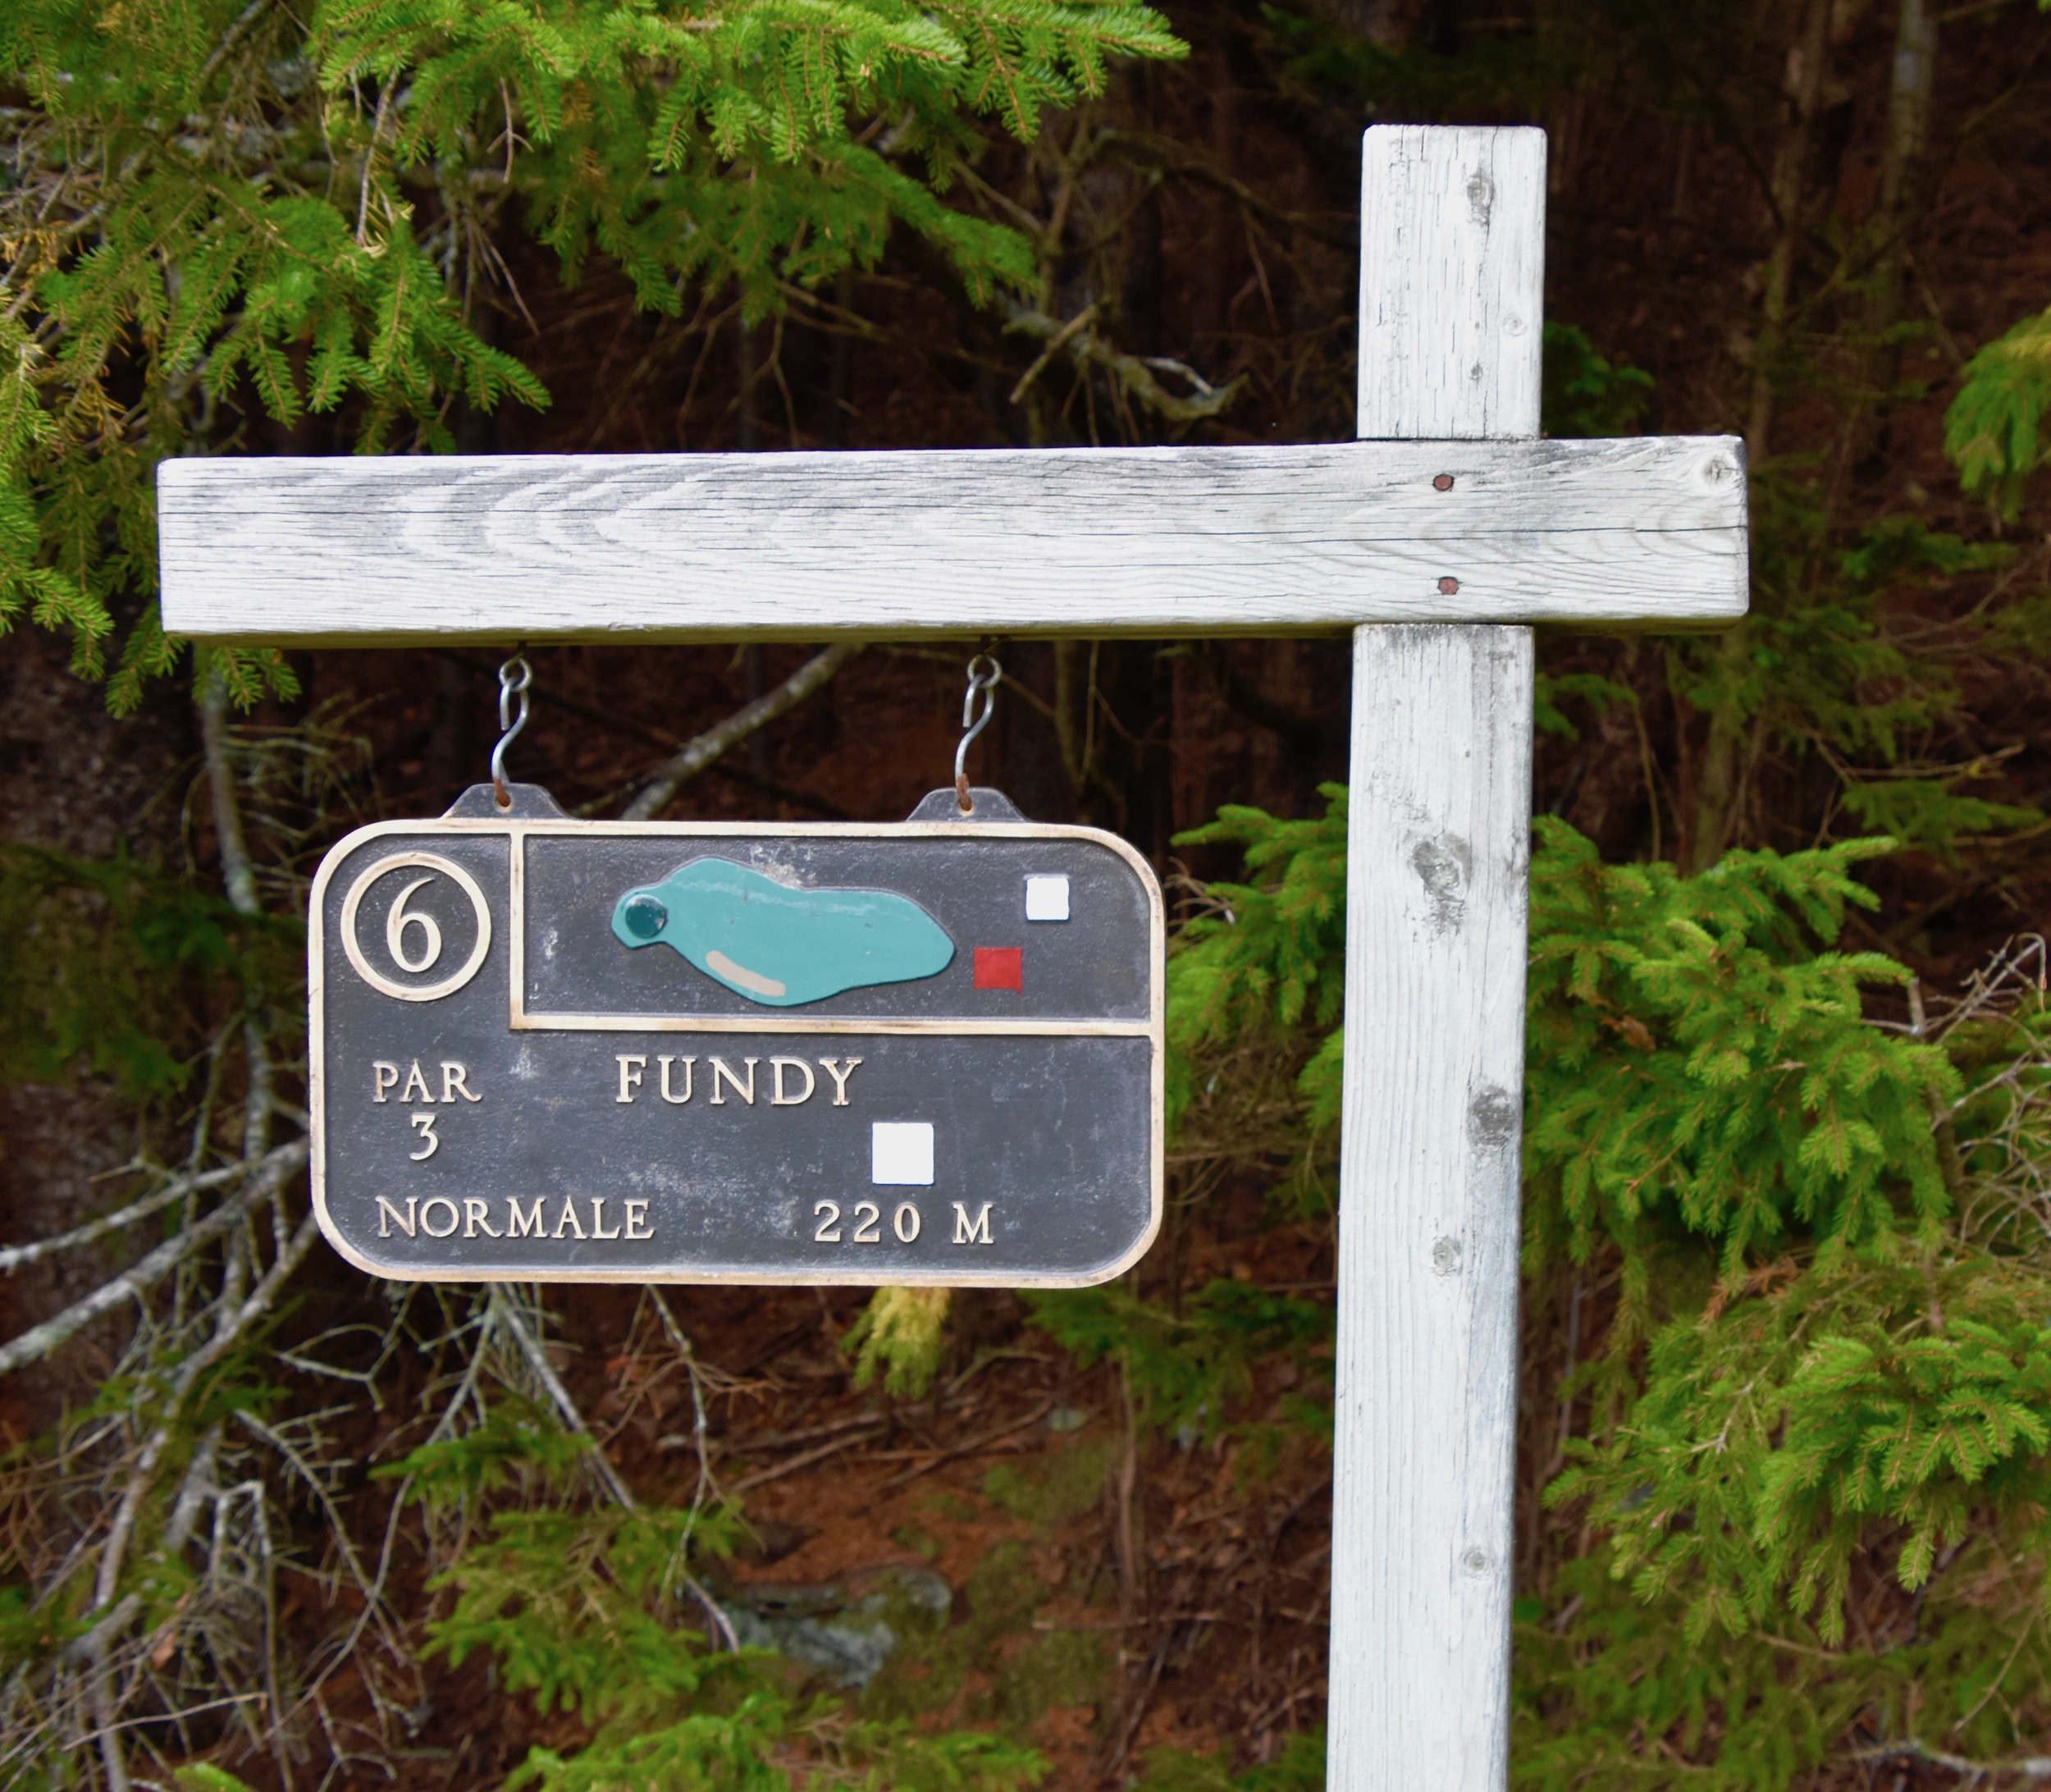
(1099, 1597)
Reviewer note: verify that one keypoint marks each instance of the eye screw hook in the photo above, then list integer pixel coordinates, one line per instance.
(515, 676)
(984, 676)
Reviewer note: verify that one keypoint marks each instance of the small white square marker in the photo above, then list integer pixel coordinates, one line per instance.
(1047, 898)
(901, 1153)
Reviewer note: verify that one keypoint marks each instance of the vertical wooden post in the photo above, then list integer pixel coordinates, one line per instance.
(1452, 251)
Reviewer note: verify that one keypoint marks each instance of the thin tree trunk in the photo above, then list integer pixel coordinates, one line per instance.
(747, 419)
(1807, 63)
(1903, 167)
(1716, 782)
(1716, 790)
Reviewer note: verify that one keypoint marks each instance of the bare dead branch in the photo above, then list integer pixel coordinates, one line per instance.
(506, 1316)
(233, 1323)
(2024, 1767)
(1078, 340)
(238, 874)
(13, 1257)
(694, 755)
(699, 1429)
(267, 1174)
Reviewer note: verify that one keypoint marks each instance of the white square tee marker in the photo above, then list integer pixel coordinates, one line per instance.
(901, 1153)
(1047, 898)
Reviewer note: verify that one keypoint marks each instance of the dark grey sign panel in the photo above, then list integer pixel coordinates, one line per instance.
(552, 1049)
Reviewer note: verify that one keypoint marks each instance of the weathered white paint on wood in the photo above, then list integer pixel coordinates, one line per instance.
(1427, 1371)
(1437, 846)
(1148, 540)
(1452, 282)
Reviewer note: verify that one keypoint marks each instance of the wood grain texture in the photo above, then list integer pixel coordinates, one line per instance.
(1437, 858)
(1427, 1366)
(1646, 533)
(1452, 281)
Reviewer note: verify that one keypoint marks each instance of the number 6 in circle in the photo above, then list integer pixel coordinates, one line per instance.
(398, 921)
(403, 918)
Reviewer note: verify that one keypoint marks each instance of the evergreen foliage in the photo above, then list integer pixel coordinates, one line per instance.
(1696, 1061)
(1185, 1370)
(1818, 671)
(597, 1613)
(218, 216)
(1300, 1768)
(1584, 392)
(1828, 1348)
(900, 1332)
(114, 963)
(1266, 958)
(1993, 430)
(1805, 1221)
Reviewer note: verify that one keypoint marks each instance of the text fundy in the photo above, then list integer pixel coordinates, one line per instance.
(1437, 538)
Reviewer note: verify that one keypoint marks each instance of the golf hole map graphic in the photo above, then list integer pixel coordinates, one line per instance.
(548, 1049)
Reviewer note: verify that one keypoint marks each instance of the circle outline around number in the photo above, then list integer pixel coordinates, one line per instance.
(429, 992)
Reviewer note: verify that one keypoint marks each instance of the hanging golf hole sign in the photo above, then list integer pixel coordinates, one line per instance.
(551, 1050)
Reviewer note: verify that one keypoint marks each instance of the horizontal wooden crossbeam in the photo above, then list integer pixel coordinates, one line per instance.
(1648, 532)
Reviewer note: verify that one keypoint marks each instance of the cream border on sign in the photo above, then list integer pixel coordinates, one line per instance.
(516, 833)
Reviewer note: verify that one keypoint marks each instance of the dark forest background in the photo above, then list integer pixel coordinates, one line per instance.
(1796, 221)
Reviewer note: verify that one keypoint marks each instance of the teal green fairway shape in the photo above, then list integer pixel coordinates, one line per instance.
(780, 946)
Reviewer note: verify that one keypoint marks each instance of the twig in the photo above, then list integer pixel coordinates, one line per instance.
(238, 874)
(699, 1425)
(229, 39)
(973, 1447)
(319, 1489)
(13, 1257)
(791, 1466)
(38, 1341)
(1114, 1759)
(694, 755)
(783, 1440)
(530, 1347)
(1133, 373)
(505, 1315)
(2024, 1767)
(232, 1324)
(92, 1648)
(1081, 321)
(617, 723)
(238, 878)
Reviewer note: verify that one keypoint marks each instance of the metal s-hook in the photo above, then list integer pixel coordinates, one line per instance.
(984, 675)
(514, 677)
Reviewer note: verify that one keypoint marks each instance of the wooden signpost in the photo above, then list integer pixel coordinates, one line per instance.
(1437, 538)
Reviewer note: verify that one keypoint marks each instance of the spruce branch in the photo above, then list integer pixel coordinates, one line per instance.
(504, 1315)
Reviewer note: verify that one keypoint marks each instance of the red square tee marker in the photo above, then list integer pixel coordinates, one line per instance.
(1000, 967)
